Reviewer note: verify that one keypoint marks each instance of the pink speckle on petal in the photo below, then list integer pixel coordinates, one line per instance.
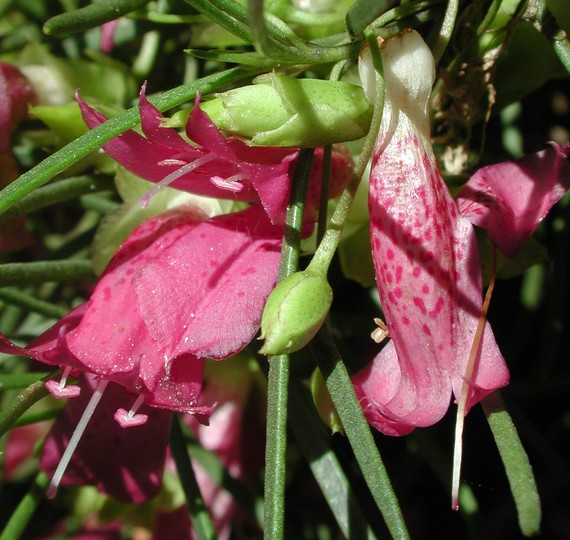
(420, 303)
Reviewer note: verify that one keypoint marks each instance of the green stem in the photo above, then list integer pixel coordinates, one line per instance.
(358, 432)
(22, 403)
(93, 139)
(62, 271)
(21, 516)
(278, 377)
(517, 466)
(201, 520)
(327, 247)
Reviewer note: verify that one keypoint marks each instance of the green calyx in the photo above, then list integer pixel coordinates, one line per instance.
(294, 312)
(284, 111)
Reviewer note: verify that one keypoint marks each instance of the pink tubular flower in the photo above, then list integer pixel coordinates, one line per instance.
(426, 257)
(214, 166)
(510, 199)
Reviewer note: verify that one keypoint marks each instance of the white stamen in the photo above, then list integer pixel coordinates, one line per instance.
(175, 175)
(75, 438)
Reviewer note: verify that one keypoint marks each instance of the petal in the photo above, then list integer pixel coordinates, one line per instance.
(214, 280)
(112, 339)
(126, 464)
(510, 199)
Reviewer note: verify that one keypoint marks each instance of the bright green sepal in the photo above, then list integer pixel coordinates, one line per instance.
(294, 312)
(284, 111)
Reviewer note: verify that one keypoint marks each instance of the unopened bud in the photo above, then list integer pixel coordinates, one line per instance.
(294, 312)
(284, 111)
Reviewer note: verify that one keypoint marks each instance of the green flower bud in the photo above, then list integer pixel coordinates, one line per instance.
(284, 111)
(294, 312)
(324, 404)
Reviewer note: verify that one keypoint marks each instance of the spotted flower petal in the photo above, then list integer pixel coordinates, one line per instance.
(426, 262)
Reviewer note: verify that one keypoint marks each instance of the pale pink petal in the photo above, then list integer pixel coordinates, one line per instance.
(510, 199)
(126, 464)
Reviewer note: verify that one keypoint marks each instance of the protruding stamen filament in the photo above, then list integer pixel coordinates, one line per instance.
(465, 388)
(232, 183)
(131, 419)
(76, 437)
(175, 175)
(60, 389)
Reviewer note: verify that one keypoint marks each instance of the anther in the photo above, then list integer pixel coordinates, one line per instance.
(60, 389)
(232, 183)
(131, 419)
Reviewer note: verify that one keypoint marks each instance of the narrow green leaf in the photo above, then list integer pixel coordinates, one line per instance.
(21, 404)
(90, 16)
(61, 191)
(358, 432)
(201, 520)
(278, 378)
(363, 12)
(245, 58)
(328, 472)
(11, 381)
(31, 303)
(516, 462)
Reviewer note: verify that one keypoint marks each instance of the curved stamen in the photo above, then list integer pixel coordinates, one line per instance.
(60, 389)
(175, 175)
(131, 419)
(75, 438)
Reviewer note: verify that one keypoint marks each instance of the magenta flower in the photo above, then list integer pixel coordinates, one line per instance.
(214, 165)
(426, 257)
(177, 291)
(180, 289)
